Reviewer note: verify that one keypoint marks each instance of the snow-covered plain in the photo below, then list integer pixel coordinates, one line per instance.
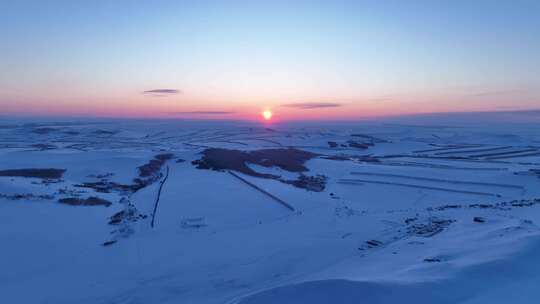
(423, 213)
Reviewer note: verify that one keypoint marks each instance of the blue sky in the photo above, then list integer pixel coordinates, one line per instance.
(370, 57)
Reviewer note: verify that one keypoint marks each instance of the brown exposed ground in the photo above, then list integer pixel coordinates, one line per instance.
(154, 165)
(359, 145)
(292, 160)
(343, 157)
(26, 196)
(148, 174)
(91, 201)
(311, 183)
(36, 173)
(108, 187)
(223, 159)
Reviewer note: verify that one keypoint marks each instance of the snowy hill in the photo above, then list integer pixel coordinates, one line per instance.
(371, 212)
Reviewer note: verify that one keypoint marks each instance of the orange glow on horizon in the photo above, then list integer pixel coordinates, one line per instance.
(267, 114)
(207, 109)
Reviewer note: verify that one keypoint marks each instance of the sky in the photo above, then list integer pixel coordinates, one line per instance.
(235, 59)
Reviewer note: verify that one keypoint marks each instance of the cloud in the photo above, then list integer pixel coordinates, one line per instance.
(528, 112)
(494, 93)
(201, 113)
(162, 92)
(312, 105)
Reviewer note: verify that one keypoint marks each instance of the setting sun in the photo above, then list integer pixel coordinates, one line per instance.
(267, 114)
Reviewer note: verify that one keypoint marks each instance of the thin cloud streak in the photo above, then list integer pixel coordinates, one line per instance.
(495, 93)
(529, 112)
(201, 113)
(312, 105)
(162, 92)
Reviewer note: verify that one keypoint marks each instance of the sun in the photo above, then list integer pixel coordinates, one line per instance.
(267, 114)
